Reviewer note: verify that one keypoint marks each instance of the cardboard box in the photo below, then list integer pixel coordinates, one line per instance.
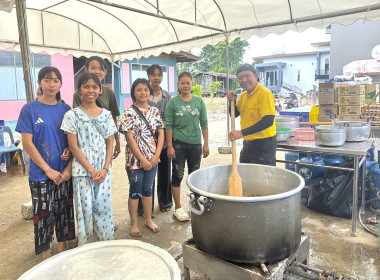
(326, 93)
(351, 90)
(349, 118)
(349, 110)
(325, 112)
(351, 100)
(370, 93)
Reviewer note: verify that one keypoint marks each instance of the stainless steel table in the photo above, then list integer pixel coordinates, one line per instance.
(357, 150)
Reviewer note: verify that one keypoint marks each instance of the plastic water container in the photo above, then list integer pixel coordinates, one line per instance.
(291, 156)
(332, 160)
(371, 153)
(374, 185)
(368, 165)
(309, 173)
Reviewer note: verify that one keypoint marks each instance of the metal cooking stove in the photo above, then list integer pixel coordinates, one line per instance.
(214, 268)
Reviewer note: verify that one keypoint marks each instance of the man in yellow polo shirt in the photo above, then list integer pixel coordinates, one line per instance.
(257, 118)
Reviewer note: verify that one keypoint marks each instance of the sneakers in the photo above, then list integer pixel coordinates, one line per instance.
(181, 215)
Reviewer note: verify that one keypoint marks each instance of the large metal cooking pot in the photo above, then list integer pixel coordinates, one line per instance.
(262, 226)
(330, 135)
(287, 121)
(356, 131)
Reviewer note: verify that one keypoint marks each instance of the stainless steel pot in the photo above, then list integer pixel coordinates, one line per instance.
(356, 131)
(262, 226)
(330, 135)
(287, 121)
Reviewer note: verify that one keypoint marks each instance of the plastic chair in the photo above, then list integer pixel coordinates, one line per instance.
(12, 148)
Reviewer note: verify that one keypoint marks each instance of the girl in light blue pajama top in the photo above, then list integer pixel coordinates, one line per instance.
(91, 165)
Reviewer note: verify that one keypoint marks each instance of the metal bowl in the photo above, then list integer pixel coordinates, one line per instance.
(283, 134)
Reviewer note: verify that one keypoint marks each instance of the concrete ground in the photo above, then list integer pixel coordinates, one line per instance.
(332, 247)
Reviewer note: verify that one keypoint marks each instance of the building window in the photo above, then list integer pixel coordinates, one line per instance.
(298, 76)
(11, 74)
(327, 66)
(139, 71)
(271, 78)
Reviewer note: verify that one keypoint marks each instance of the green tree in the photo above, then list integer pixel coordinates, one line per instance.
(213, 58)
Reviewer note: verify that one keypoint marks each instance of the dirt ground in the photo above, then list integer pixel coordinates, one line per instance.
(332, 247)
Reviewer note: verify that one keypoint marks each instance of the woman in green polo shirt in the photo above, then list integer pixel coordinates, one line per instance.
(186, 123)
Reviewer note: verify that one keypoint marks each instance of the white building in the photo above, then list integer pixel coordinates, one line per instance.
(298, 72)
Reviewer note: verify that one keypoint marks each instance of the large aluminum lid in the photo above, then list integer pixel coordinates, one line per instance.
(286, 118)
(351, 123)
(115, 259)
(330, 129)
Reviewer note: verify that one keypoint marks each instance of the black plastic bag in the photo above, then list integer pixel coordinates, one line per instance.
(333, 194)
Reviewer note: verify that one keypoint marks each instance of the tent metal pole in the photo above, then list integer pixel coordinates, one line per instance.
(228, 87)
(24, 46)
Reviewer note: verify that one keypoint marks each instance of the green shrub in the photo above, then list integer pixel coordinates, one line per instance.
(214, 87)
(197, 90)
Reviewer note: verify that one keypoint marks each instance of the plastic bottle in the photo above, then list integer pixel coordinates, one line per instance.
(314, 114)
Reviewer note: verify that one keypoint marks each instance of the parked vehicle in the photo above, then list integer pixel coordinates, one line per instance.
(277, 103)
(238, 92)
(291, 100)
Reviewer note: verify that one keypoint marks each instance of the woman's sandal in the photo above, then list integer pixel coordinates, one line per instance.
(181, 215)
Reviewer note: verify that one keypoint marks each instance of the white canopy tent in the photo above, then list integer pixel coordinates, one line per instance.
(121, 29)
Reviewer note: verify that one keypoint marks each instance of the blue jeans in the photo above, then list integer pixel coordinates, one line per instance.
(141, 182)
(192, 153)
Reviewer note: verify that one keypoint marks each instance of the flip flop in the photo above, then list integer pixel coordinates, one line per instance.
(135, 233)
(154, 230)
(165, 209)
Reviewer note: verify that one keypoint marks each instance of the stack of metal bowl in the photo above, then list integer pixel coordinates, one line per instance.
(283, 134)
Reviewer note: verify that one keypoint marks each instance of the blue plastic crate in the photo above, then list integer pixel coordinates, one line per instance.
(302, 113)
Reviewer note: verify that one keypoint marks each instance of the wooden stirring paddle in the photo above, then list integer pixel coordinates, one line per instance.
(235, 184)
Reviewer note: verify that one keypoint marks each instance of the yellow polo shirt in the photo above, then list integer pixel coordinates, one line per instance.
(253, 107)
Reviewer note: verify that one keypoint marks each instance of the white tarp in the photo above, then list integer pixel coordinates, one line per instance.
(120, 29)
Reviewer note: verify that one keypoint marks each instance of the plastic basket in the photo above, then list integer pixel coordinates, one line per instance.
(304, 133)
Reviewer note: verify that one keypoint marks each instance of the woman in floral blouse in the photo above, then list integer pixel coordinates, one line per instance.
(142, 152)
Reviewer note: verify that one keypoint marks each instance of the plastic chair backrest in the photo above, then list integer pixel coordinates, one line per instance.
(8, 130)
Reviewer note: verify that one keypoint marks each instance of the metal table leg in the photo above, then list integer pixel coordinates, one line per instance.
(364, 171)
(355, 196)
(357, 166)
